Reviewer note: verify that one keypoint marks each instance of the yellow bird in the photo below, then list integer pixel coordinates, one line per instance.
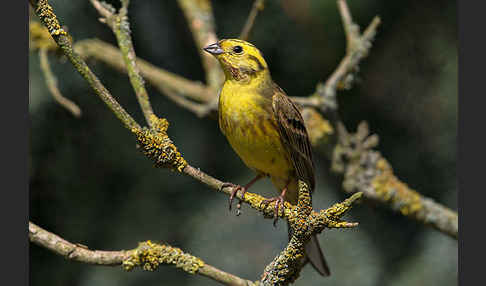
(265, 128)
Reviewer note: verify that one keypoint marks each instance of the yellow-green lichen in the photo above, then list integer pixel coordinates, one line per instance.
(46, 14)
(286, 266)
(389, 188)
(149, 256)
(157, 145)
(319, 129)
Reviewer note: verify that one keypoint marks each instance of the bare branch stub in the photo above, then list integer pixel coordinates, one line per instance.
(200, 18)
(74, 251)
(41, 40)
(258, 6)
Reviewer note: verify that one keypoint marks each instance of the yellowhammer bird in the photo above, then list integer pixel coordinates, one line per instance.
(265, 128)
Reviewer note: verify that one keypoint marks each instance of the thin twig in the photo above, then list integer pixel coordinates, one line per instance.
(121, 28)
(51, 83)
(201, 110)
(199, 16)
(258, 5)
(81, 253)
(357, 48)
(157, 77)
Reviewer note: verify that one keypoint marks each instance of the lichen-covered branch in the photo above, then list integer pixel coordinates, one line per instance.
(285, 268)
(365, 170)
(150, 255)
(258, 5)
(48, 18)
(328, 218)
(200, 18)
(147, 255)
(157, 146)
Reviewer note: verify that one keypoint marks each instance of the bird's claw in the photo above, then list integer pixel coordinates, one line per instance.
(278, 201)
(235, 190)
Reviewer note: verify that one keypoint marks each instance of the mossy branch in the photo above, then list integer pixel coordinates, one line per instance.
(147, 255)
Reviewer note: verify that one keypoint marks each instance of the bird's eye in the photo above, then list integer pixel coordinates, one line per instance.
(238, 49)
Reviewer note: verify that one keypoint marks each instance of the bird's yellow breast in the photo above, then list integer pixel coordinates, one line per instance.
(247, 121)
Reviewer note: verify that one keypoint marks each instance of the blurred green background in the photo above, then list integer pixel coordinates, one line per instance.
(90, 185)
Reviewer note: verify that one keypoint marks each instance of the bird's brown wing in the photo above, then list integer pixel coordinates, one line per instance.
(294, 136)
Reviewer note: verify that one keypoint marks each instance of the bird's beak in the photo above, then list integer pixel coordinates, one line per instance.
(214, 49)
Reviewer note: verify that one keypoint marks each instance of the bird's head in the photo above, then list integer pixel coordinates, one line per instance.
(240, 60)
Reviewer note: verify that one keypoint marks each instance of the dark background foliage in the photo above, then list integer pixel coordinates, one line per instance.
(90, 185)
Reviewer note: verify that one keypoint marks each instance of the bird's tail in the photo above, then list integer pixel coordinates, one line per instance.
(314, 255)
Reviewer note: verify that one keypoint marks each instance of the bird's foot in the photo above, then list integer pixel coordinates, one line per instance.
(235, 190)
(279, 204)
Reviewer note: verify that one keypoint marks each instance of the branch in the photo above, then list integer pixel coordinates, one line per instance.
(157, 77)
(147, 255)
(319, 219)
(357, 48)
(199, 16)
(258, 5)
(121, 28)
(51, 82)
(40, 39)
(365, 170)
(285, 268)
